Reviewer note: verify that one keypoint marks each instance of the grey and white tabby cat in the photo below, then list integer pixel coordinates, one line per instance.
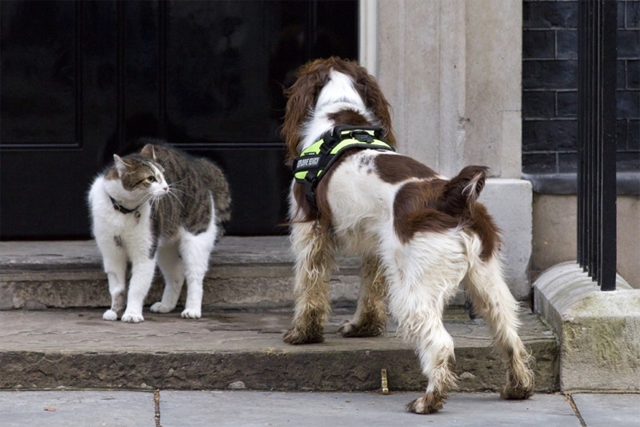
(160, 205)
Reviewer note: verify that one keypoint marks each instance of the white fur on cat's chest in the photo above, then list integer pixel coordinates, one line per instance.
(109, 224)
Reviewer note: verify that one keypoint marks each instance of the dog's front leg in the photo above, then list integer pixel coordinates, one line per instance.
(314, 251)
(370, 318)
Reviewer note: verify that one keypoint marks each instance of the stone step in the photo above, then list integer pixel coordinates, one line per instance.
(245, 272)
(75, 348)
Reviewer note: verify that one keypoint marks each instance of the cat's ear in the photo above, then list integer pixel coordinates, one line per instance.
(149, 151)
(121, 165)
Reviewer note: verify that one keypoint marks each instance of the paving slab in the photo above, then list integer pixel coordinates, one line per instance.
(607, 410)
(77, 349)
(251, 409)
(246, 408)
(77, 408)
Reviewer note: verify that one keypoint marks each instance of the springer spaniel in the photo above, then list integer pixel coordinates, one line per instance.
(419, 234)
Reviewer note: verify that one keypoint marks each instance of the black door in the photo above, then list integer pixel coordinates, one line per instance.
(83, 80)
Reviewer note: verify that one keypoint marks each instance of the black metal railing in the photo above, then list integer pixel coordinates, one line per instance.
(597, 54)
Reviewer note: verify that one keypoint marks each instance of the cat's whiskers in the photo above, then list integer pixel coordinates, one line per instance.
(174, 188)
(175, 196)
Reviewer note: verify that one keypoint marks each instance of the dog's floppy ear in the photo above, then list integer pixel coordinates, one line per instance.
(374, 99)
(302, 98)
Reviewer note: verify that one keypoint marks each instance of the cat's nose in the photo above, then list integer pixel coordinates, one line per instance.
(165, 188)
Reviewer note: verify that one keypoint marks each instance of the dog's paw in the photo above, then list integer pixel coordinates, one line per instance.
(191, 313)
(110, 315)
(516, 393)
(295, 336)
(160, 308)
(132, 317)
(520, 386)
(430, 403)
(349, 329)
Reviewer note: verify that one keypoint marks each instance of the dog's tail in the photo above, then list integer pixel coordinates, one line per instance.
(460, 194)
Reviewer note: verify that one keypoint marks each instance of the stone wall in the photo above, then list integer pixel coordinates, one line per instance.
(549, 78)
(451, 70)
(555, 240)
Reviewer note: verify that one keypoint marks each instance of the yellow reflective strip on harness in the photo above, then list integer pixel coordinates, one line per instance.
(314, 150)
(376, 143)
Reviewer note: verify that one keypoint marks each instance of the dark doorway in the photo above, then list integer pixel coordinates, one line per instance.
(83, 80)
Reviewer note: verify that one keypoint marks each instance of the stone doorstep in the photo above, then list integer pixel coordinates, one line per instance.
(247, 307)
(75, 348)
(245, 272)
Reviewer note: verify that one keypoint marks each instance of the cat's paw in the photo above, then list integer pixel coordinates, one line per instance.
(110, 315)
(161, 308)
(132, 318)
(191, 313)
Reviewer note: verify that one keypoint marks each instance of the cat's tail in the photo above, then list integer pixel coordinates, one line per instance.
(219, 187)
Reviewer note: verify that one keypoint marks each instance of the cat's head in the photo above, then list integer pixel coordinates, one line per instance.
(136, 178)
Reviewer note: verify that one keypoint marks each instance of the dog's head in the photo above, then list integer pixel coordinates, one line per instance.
(304, 96)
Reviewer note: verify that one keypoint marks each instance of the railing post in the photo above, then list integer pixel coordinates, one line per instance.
(597, 54)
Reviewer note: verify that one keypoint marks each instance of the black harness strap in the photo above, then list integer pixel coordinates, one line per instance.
(316, 160)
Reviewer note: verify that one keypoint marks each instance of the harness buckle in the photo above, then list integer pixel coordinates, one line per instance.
(362, 136)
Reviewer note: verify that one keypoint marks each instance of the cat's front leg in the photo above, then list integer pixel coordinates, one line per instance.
(115, 265)
(141, 278)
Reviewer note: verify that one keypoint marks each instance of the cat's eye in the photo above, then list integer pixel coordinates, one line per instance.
(151, 178)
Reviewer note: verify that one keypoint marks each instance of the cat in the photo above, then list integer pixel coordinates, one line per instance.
(159, 205)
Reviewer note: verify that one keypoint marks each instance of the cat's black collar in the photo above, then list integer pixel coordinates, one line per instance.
(122, 209)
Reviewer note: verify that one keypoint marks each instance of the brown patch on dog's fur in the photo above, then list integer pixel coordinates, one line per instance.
(486, 229)
(303, 95)
(438, 205)
(394, 169)
(348, 117)
(462, 191)
(415, 209)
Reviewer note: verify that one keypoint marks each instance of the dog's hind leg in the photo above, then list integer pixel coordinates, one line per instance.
(370, 318)
(424, 275)
(493, 301)
(313, 247)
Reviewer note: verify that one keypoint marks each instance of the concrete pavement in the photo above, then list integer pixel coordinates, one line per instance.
(251, 408)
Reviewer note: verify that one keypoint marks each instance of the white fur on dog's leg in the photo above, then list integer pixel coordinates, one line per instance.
(493, 301)
(424, 274)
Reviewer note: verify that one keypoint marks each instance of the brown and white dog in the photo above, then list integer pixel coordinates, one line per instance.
(419, 235)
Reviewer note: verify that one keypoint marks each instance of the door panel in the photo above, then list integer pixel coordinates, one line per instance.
(84, 80)
(58, 94)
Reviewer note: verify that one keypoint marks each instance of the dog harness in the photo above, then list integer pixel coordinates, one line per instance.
(317, 159)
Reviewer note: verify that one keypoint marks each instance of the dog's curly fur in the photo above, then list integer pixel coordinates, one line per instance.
(419, 235)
